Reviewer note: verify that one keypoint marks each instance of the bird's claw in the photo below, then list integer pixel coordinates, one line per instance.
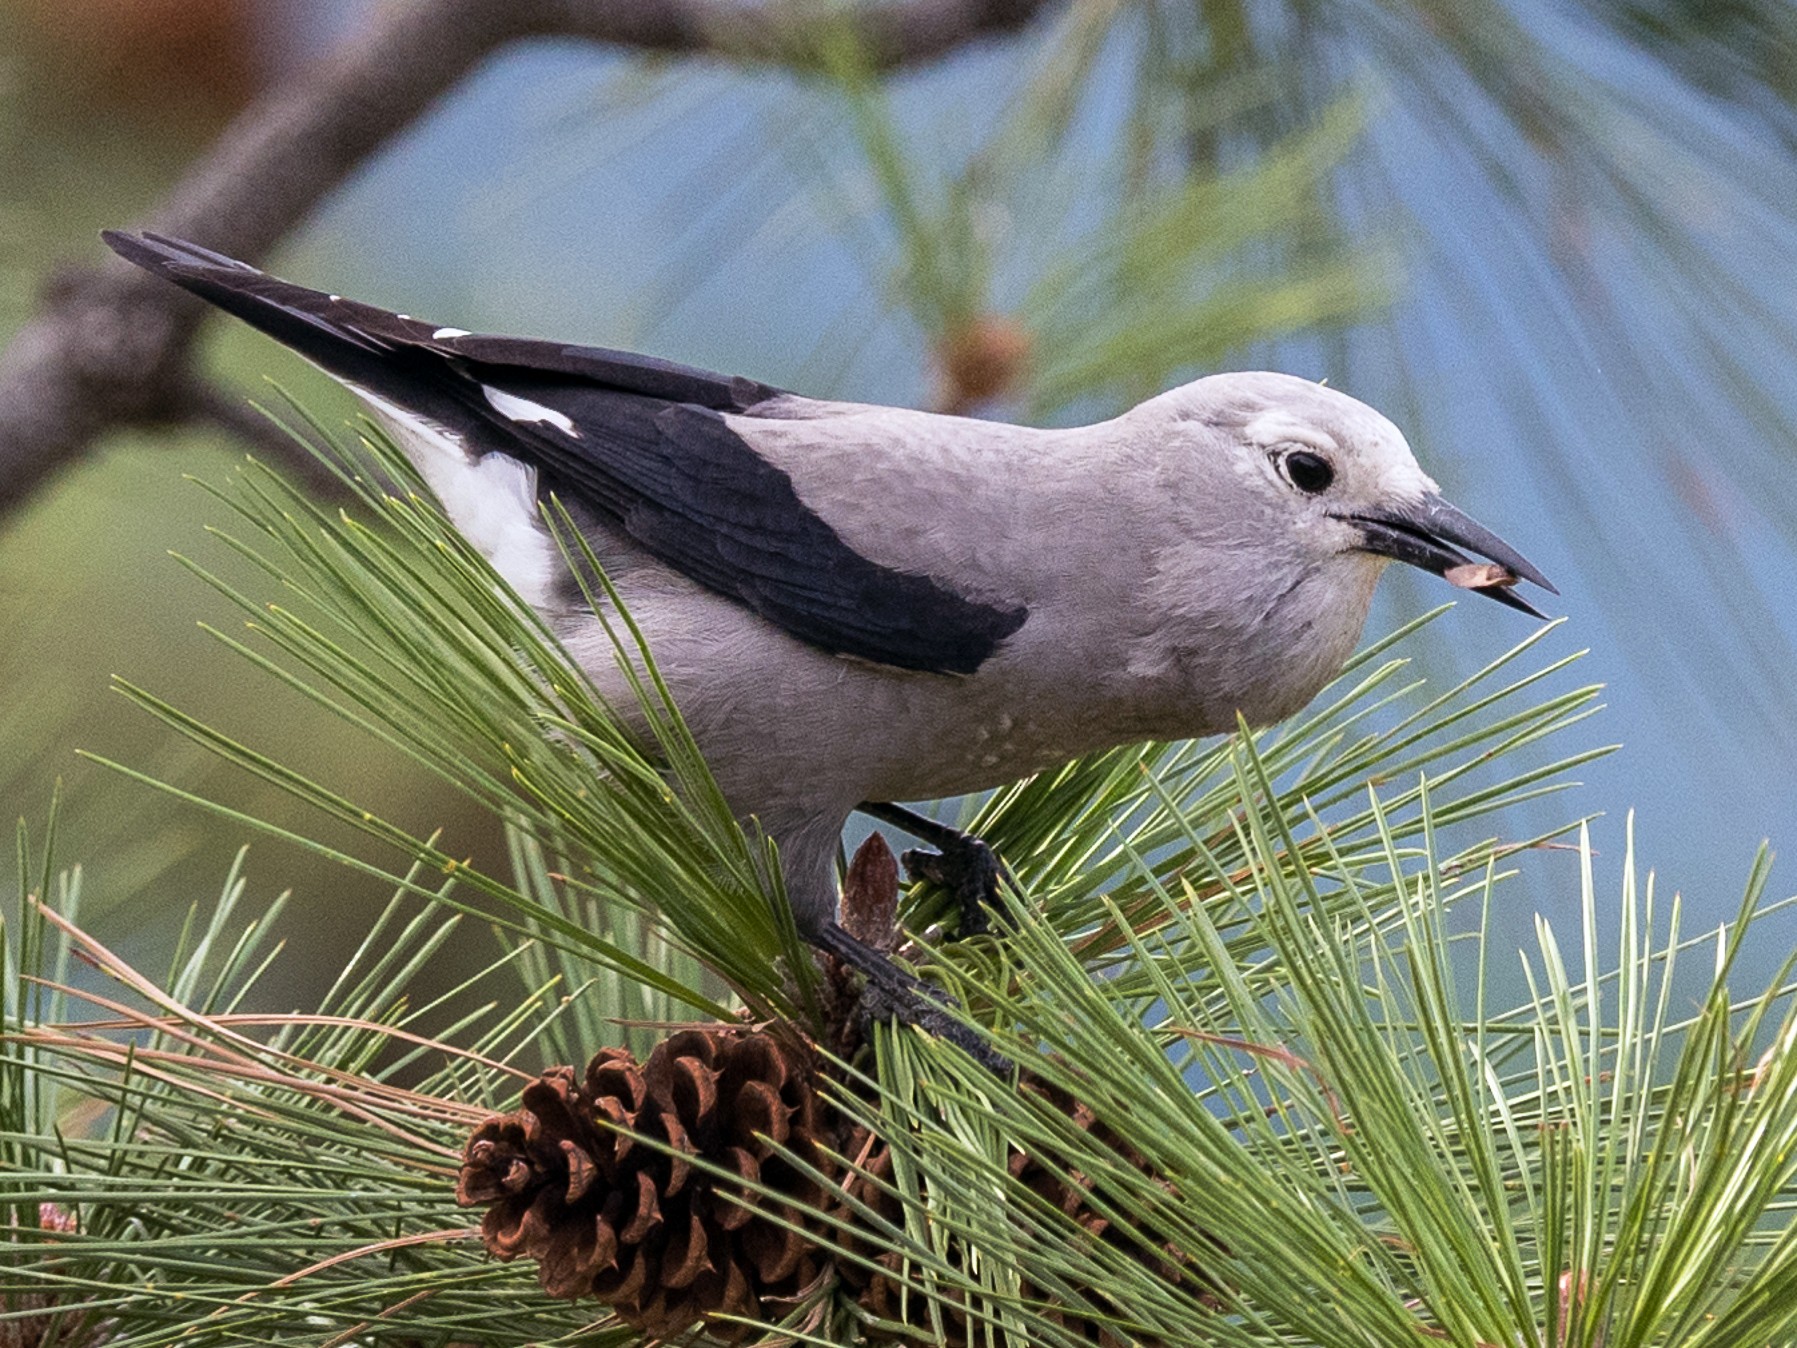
(967, 869)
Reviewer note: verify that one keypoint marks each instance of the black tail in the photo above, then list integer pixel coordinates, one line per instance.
(336, 334)
(339, 335)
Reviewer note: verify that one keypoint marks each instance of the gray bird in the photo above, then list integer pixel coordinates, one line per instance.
(857, 605)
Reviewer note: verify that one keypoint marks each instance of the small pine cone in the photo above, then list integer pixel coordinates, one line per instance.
(660, 1241)
(883, 1296)
(869, 913)
(979, 360)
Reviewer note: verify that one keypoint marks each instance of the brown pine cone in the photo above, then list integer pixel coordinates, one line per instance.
(659, 1240)
(884, 1296)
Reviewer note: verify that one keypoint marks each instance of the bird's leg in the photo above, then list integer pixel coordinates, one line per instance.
(889, 993)
(962, 864)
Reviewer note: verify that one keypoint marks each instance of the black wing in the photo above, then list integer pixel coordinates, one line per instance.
(641, 442)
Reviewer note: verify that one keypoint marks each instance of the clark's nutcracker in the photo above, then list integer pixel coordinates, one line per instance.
(856, 605)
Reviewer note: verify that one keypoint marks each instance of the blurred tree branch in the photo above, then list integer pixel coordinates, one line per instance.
(110, 346)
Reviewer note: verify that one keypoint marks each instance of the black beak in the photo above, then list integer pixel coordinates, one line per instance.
(1427, 533)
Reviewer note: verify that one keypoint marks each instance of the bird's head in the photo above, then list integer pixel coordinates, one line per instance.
(1330, 478)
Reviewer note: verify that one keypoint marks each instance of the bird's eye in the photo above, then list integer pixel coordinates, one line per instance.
(1309, 473)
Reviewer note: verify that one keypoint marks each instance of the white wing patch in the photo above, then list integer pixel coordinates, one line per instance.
(492, 500)
(444, 334)
(514, 408)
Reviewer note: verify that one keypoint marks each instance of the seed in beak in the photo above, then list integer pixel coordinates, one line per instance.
(1480, 576)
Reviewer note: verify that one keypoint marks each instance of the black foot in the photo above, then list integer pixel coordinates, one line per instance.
(889, 993)
(962, 864)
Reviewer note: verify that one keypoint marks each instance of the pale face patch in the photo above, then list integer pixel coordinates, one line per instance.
(1278, 426)
(514, 408)
(1371, 460)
